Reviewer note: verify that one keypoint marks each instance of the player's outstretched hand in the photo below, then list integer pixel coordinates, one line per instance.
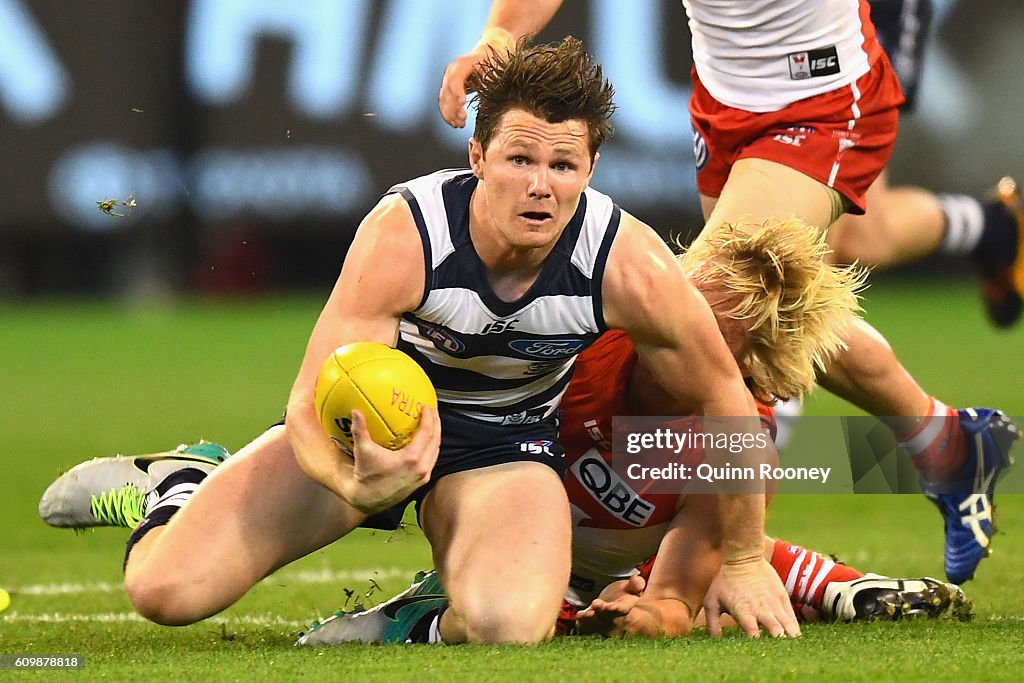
(608, 615)
(606, 618)
(753, 594)
(452, 98)
(381, 477)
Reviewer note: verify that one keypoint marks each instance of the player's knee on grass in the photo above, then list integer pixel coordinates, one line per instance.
(506, 619)
(164, 600)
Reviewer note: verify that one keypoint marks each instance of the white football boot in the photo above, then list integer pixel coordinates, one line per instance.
(880, 598)
(112, 491)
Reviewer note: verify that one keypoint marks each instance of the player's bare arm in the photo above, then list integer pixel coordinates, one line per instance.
(507, 23)
(689, 557)
(676, 335)
(382, 277)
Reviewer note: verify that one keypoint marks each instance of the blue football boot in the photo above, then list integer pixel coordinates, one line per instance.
(966, 501)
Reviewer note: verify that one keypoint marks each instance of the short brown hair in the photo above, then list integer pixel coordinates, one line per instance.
(557, 82)
(796, 306)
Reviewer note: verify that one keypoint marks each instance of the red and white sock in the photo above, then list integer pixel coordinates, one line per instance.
(806, 573)
(937, 447)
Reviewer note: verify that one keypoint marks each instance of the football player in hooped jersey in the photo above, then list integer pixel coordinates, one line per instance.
(493, 279)
(794, 111)
(781, 313)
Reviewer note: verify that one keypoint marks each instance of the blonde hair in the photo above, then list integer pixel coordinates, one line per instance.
(796, 307)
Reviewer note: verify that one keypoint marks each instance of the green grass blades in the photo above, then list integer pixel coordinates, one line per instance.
(87, 379)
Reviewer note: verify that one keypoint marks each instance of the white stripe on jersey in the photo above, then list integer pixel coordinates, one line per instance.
(433, 211)
(826, 567)
(599, 212)
(469, 315)
(794, 573)
(502, 397)
(855, 109)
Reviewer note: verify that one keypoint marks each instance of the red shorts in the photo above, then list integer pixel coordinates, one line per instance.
(842, 138)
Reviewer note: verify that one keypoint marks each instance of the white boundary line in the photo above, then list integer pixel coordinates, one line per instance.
(132, 617)
(307, 577)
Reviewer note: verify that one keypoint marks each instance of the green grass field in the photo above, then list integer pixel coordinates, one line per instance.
(82, 379)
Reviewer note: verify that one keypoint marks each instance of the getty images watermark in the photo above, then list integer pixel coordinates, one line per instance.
(672, 455)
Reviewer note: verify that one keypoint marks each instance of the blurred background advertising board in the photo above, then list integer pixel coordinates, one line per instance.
(235, 144)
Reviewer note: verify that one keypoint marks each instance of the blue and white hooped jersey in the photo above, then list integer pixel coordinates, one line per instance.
(491, 360)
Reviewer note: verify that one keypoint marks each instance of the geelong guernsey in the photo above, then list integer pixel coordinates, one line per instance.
(490, 360)
(763, 55)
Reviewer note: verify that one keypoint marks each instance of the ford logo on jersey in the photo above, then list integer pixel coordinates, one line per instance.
(547, 348)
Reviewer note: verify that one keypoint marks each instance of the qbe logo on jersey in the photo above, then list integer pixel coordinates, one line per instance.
(610, 490)
(821, 62)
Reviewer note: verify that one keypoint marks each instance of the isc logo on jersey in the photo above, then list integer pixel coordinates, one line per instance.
(608, 489)
(821, 62)
(537, 447)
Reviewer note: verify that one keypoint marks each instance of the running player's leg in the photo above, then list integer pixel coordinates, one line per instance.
(867, 373)
(252, 515)
(763, 190)
(501, 542)
(901, 224)
(810, 162)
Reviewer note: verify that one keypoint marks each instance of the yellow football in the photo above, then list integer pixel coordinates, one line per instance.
(387, 386)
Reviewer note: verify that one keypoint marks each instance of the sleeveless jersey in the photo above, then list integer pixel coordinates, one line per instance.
(763, 55)
(503, 363)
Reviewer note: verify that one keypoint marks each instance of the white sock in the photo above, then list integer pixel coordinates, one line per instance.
(434, 632)
(965, 220)
(176, 497)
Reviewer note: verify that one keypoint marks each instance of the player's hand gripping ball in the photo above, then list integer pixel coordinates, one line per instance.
(388, 387)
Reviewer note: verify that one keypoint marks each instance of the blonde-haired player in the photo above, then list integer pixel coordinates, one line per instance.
(793, 310)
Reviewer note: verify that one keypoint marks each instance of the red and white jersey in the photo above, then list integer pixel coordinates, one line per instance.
(617, 524)
(763, 55)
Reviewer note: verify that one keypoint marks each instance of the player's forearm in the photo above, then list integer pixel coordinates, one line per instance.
(741, 503)
(742, 517)
(511, 20)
